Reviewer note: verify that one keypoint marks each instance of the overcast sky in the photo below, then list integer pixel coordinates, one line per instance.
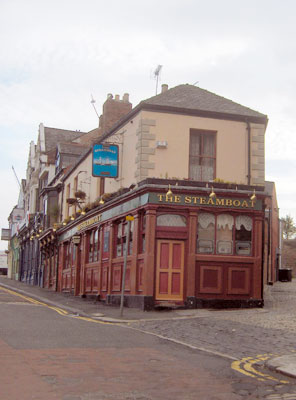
(55, 54)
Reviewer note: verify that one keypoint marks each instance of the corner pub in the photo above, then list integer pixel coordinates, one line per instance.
(190, 245)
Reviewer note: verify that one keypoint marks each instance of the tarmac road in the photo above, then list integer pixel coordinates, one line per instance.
(49, 353)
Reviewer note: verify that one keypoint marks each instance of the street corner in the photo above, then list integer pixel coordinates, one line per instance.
(254, 367)
(285, 364)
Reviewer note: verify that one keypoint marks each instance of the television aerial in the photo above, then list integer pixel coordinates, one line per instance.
(93, 104)
(157, 75)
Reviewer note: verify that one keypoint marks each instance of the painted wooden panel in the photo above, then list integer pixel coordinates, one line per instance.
(116, 281)
(177, 254)
(163, 283)
(176, 283)
(140, 275)
(170, 270)
(210, 279)
(164, 255)
(238, 280)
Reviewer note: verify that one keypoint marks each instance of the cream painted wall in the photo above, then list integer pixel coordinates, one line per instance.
(231, 151)
(139, 157)
(126, 137)
(86, 182)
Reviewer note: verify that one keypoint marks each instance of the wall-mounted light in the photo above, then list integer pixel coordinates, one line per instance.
(212, 194)
(83, 212)
(72, 218)
(169, 192)
(253, 197)
(101, 201)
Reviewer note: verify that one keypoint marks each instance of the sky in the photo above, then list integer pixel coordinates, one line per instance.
(56, 54)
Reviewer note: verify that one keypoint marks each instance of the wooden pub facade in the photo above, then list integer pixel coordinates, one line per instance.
(196, 246)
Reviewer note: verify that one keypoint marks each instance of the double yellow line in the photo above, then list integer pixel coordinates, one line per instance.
(247, 366)
(57, 309)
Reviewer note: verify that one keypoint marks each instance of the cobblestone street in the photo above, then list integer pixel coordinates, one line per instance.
(238, 333)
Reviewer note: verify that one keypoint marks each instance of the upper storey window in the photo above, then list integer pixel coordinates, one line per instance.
(202, 155)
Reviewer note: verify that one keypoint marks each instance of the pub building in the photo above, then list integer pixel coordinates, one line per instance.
(191, 244)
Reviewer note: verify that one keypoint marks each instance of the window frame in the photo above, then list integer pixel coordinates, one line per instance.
(234, 241)
(120, 236)
(201, 156)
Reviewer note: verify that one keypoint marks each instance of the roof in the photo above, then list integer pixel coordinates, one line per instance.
(190, 97)
(54, 136)
(192, 100)
(72, 148)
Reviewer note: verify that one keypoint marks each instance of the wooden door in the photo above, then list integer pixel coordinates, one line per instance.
(170, 270)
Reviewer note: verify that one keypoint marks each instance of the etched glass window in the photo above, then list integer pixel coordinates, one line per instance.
(225, 223)
(205, 233)
(171, 220)
(243, 235)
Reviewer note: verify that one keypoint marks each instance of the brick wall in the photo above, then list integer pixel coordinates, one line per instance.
(289, 255)
(113, 110)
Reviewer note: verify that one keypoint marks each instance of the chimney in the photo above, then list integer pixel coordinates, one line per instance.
(114, 110)
(164, 88)
(125, 98)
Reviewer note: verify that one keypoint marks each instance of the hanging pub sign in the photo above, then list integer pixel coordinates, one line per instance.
(105, 160)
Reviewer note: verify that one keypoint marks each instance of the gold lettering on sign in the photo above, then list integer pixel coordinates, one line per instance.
(219, 202)
(245, 204)
(186, 199)
(88, 222)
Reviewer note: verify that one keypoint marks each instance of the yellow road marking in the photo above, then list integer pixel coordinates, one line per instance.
(57, 309)
(246, 366)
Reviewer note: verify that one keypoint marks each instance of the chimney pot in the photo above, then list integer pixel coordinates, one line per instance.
(164, 88)
(125, 98)
(109, 96)
(117, 97)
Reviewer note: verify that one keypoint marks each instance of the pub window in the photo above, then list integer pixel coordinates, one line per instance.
(94, 245)
(205, 233)
(171, 220)
(224, 233)
(142, 233)
(121, 238)
(202, 155)
(243, 235)
(68, 256)
(106, 240)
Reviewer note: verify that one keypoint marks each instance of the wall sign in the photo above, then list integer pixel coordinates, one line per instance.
(226, 202)
(105, 160)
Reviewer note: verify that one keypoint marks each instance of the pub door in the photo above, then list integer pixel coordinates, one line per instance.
(170, 270)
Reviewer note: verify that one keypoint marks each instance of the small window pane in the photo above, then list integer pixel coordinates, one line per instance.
(171, 220)
(205, 233)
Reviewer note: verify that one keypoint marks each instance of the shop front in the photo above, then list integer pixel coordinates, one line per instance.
(186, 249)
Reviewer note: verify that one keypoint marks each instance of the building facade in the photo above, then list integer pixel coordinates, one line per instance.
(192, 175)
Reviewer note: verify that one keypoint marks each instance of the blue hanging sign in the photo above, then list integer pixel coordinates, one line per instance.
(105, 160)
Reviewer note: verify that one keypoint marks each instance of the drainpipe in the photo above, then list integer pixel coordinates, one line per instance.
(262, 261)
(57, 266)
(249, 151)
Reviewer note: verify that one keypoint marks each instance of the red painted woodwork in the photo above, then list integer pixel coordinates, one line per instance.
(140, 275)
(169, 270)
(210, 279)
(238, 280)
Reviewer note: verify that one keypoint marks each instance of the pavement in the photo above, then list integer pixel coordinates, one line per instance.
(278, 313)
